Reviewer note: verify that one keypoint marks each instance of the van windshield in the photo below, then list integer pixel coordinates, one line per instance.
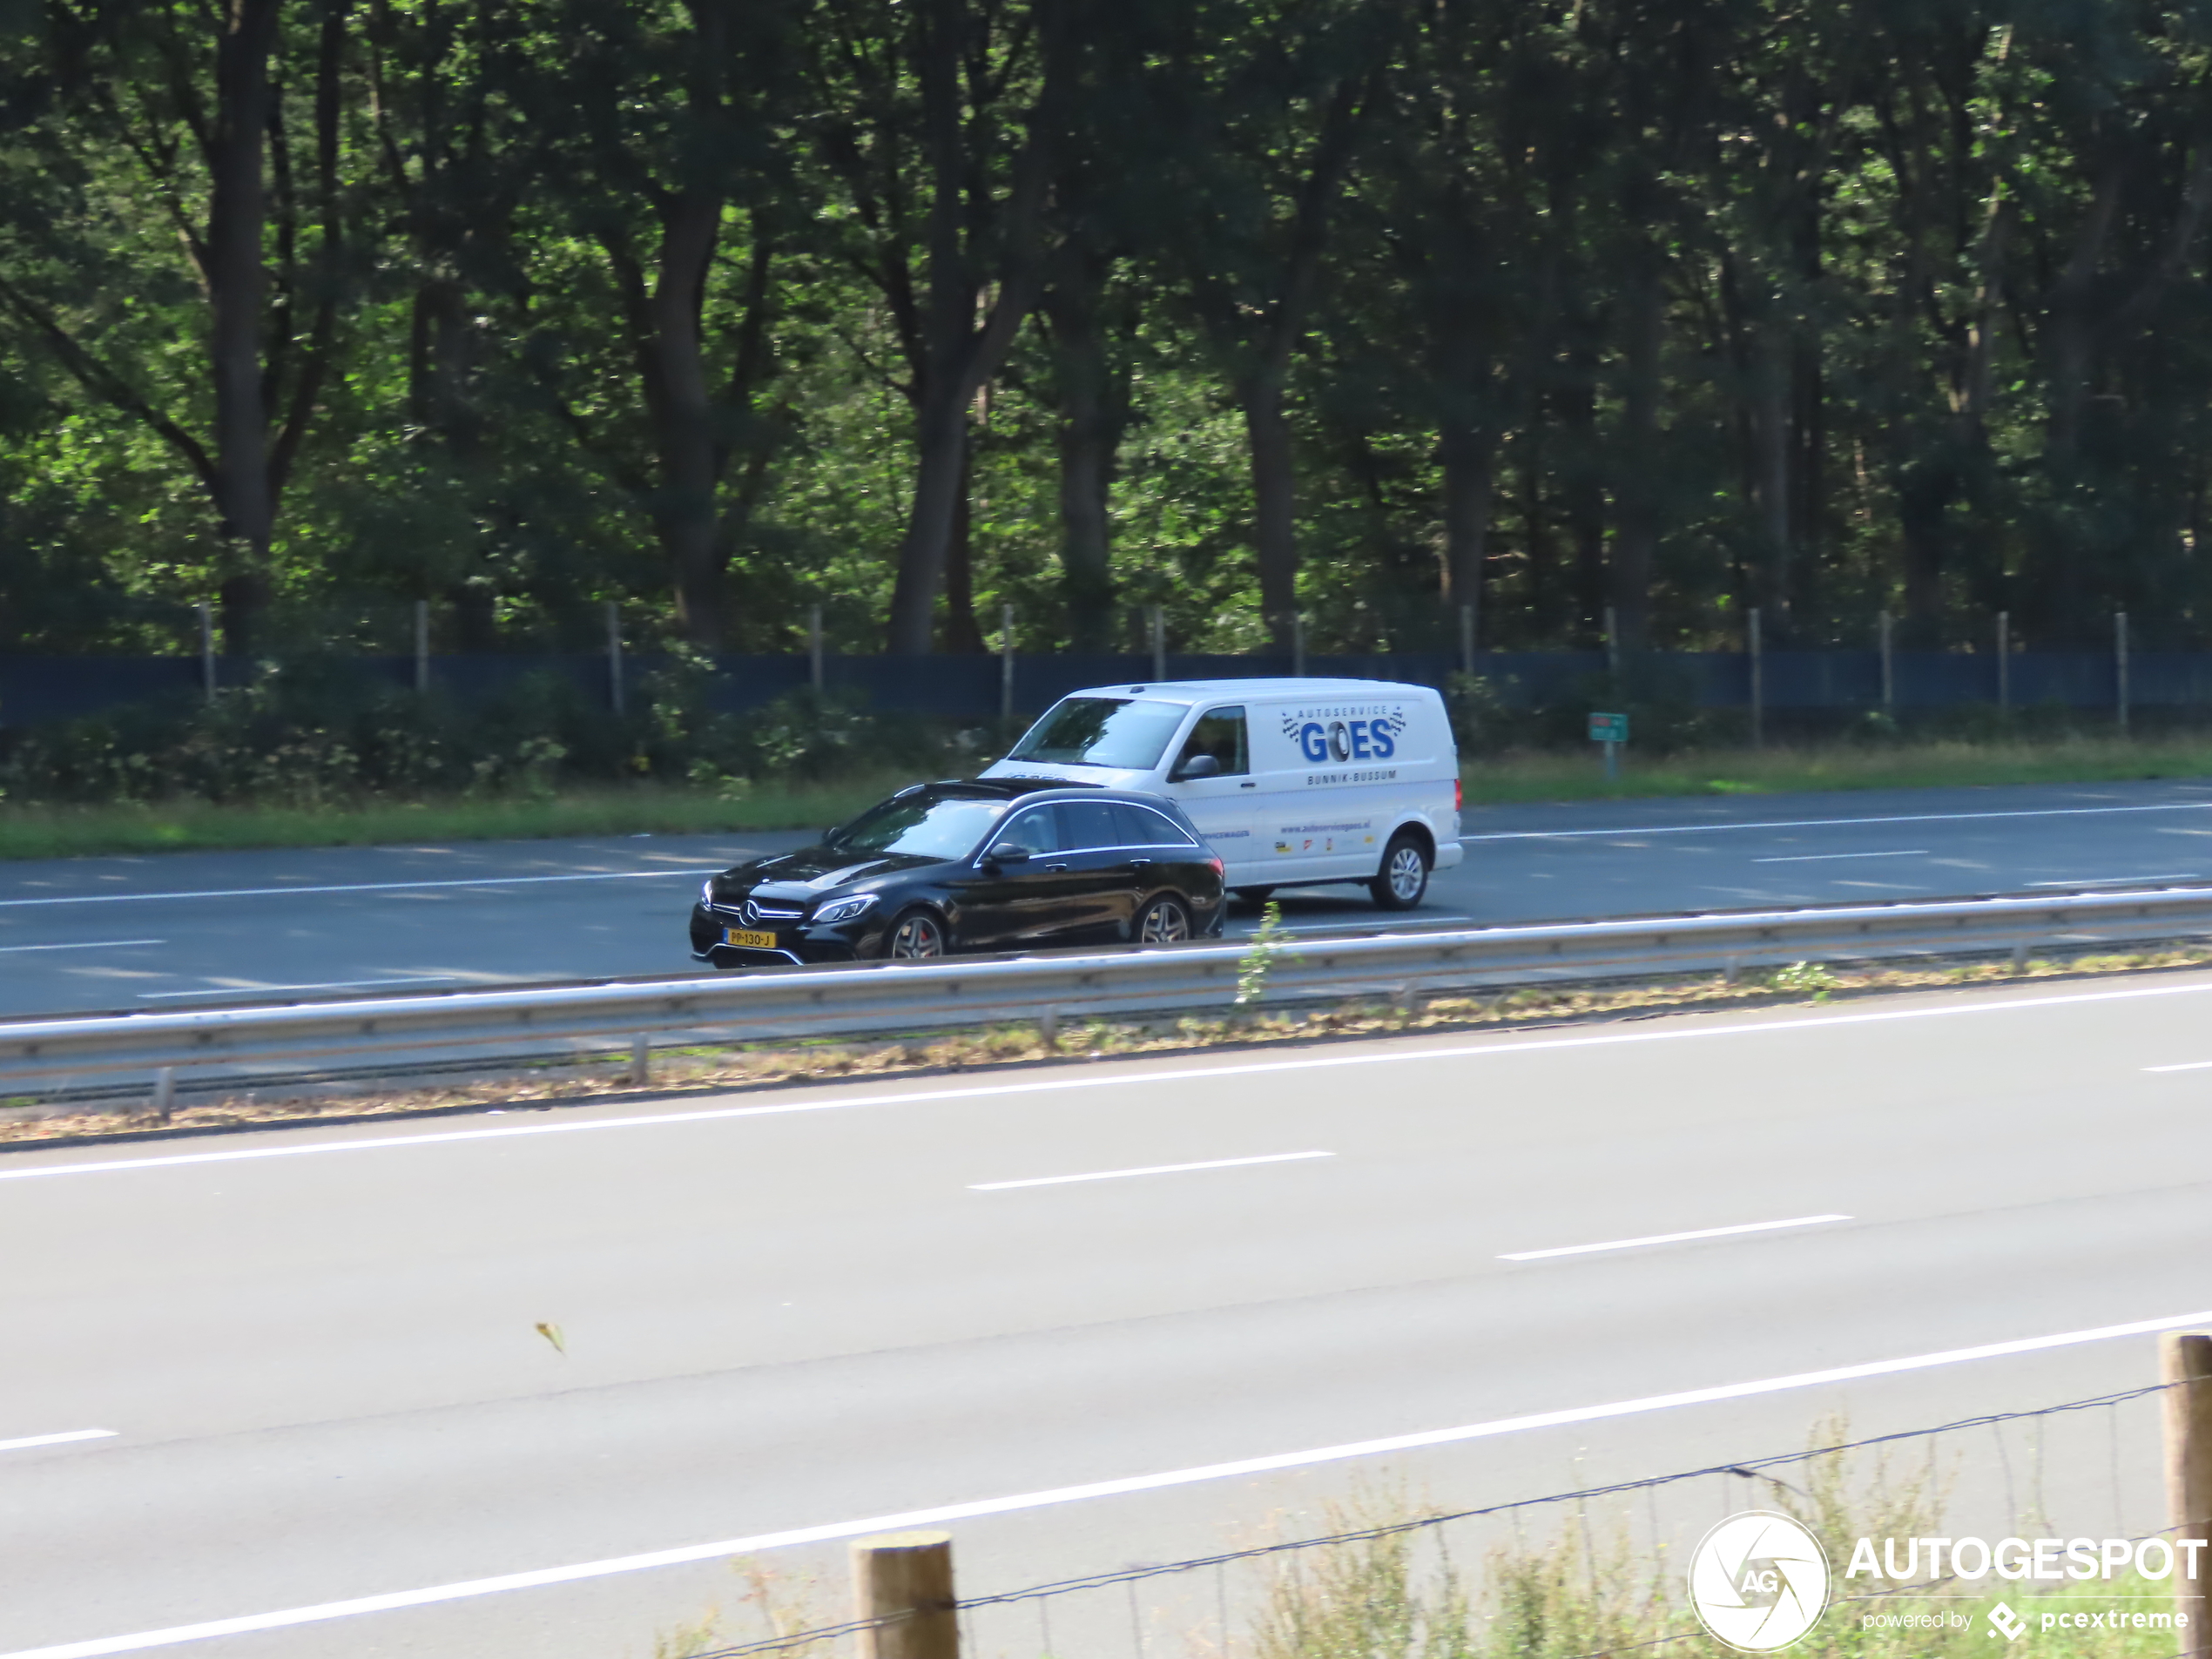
(1101, 731)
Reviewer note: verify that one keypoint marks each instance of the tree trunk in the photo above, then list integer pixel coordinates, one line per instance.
(1583, 489)
(940, 472)
(963, 636)
(1636, 539)
(238, 212)
(1267, 429)
(1094, 407)
(683, 415)
(1469, 455)
(1770, 459)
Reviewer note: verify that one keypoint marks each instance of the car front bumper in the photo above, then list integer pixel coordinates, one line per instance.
(845, 941)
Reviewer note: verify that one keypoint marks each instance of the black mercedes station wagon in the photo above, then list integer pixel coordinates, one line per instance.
(1002, 864)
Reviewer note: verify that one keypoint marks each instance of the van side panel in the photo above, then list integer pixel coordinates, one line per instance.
(1344, 772)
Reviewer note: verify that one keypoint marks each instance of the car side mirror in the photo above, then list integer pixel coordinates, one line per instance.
(1195, 767)
(1007, 852)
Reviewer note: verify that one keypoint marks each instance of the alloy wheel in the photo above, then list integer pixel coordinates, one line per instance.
(917, 937)
(1165, 923)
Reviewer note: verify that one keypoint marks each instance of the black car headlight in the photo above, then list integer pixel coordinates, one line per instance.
(706, 893)
(845, 909)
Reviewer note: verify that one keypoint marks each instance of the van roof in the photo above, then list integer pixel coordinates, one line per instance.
(1208, 690)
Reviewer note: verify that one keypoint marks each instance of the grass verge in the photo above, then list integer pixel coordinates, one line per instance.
(1780, 769)
(723, 1069)
(47, 832)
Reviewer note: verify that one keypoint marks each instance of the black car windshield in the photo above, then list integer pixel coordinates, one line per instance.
(1101, 731)
(926, 823)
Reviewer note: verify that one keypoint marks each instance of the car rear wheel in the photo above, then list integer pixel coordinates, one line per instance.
(1164, 922)
(1403, 880)
(917, 936)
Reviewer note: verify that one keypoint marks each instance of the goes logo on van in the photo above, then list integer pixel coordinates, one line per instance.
(1345, 733)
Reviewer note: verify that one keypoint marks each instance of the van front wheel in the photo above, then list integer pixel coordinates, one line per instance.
(1403, 880)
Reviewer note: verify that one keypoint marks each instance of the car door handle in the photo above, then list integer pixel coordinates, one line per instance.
(1139, 864)
(1061, 868)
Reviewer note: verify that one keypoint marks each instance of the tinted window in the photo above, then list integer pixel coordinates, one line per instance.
(1141, 826)
(1087, 824)
(1101, 731)
(925, 823)
(1033, 829)
(1220, 732)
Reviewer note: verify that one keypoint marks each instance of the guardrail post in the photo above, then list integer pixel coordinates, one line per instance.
(165, 1093)
(2120, 667)
(2185, 1366)
(641, 1060)
(2019, 957)
(1049, 1027)
(902, 1585)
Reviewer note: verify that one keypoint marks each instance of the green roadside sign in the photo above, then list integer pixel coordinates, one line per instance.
(1609, 728)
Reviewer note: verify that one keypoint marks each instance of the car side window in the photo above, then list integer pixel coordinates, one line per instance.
(1142, 826)
(1087, 824)
(1034, 829)
(1220, 732)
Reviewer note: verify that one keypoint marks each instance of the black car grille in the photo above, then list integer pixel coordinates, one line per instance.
(751, 911)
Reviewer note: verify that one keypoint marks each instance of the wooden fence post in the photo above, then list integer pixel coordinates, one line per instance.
(2003, 661)
(614, 657)
(1006, 663)
(2185, 1366)
(902, 1583)
(1889, 664)
(421, 646)
(2119, 667)
(1466, 640)
(814, 648)
(1758, 680)
(207, 650)
(1157, 617)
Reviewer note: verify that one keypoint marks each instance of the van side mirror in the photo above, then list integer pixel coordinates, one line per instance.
(1195, 767)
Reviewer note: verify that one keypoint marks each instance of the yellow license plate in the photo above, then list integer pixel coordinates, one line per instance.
(745, 941)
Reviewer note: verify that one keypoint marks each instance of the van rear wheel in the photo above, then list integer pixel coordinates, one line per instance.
(1403, 881)
(1252, 896)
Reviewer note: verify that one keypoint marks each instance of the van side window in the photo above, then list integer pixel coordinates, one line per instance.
(1220, 732)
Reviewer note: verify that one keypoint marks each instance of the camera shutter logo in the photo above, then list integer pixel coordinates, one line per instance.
(1759, 1580)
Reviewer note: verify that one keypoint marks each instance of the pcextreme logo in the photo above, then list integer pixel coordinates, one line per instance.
(1759, 1580)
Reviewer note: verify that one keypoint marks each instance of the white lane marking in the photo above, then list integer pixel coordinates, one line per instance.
(944, 1513)
(357, 886)
(1156, 1168)
(1832, 823)
(1497, 1047)
(2193, 1065)
(2120, 880)
(31, 1441)
(1362, 925)
(89, 944)
(1670, 1238)
(1823, 858)
(326, 985)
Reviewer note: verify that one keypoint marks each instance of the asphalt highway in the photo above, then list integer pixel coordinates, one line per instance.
(184, 929)
(322, 1362)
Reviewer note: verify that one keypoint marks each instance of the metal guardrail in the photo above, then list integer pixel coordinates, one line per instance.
(907, 996)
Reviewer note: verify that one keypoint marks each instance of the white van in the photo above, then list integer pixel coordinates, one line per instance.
(1293, 781)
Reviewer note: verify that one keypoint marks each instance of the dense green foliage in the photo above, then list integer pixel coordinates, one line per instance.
(914, 309)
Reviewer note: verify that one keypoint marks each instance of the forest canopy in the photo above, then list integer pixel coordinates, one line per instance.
(1372, 311)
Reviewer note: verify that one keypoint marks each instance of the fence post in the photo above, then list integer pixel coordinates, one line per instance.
(165, 1093)
(1758, 682)
(2003, 661)
(1005, 662)
(1889, 664)
(421, 646)
(1613, 646)
(1298, 645)
(1155, 621)
(2119, 667)
(814, 648)
(1466, 640)
(2185, 1367)
(902, 1587)
(614, 657)
(207, 649)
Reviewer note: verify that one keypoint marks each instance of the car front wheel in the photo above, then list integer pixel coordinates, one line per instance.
(917, 936)
(1403, 880)
(1164, 922)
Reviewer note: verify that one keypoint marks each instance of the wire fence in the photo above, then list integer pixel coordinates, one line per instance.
(2013, 1475)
